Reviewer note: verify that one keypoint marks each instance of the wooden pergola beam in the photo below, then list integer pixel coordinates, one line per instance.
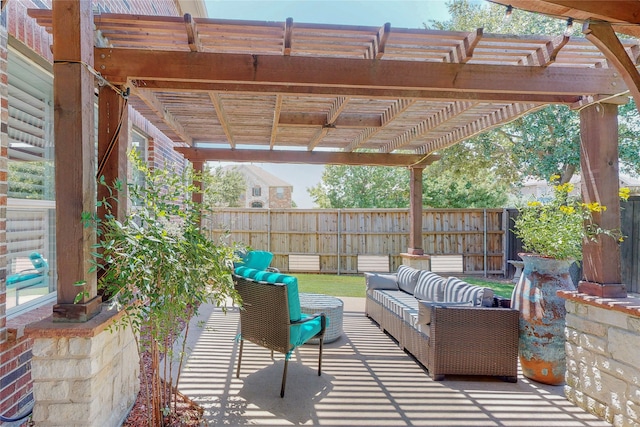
(120, 65)
(415, 94)
(306, 157)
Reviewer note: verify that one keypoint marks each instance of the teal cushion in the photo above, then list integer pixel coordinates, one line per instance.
(249, 273)
(259, 260)
(292, 295)
(303, 332)
(268, 276)
(38, 262)
(18, 278)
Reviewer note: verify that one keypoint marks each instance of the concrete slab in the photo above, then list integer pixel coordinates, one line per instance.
(366, 380)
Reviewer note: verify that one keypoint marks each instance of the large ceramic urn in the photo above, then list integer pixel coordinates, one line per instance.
(541, 346)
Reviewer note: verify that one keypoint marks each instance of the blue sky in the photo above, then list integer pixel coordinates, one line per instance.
(400, 13)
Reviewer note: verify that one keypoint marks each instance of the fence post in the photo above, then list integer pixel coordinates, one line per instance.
(269, 229)
(338, 242)
(484, 243)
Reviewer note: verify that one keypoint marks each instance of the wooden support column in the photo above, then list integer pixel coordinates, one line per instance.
(73, 91)
(415, 211)
(600, 183)
(113, 120)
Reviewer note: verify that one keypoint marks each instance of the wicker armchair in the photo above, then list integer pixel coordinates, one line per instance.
(270, 317)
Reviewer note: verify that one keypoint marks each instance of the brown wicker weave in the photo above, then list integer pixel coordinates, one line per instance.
(264, 320)
(459, 340)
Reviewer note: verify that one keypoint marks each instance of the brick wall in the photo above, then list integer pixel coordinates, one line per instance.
(282, 202)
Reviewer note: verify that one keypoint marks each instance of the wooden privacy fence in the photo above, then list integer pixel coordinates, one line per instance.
(331, 240)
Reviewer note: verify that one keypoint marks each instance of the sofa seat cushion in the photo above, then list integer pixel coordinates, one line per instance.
(302, 332)
(430, 286)
(395, 301)
(456, 290)
(407, 278)
(411, 317)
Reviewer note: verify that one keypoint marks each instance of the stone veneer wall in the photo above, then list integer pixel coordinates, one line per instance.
(603, 356)
(83, 374)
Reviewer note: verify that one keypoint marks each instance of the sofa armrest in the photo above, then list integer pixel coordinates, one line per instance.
(473, 340)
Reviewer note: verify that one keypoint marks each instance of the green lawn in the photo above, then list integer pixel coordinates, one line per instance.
(353, 285)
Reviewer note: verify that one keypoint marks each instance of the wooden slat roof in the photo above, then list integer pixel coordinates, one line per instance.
(311, 87)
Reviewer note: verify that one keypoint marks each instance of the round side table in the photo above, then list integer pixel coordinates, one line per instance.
(331, 306)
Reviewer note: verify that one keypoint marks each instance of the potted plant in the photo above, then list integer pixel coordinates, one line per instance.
(552, 233)
(158, 267)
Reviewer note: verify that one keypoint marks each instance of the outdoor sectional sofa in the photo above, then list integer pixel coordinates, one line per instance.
(448, 325)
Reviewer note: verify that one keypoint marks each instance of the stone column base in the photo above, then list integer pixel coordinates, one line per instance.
(419, 262)
(83, 374)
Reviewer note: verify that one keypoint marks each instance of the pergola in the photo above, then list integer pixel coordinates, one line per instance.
(308, 93)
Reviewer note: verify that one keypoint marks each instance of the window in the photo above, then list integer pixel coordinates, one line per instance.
(256, 204)
(256, 191)
(280, 192)
(30, 175)
(139, 145)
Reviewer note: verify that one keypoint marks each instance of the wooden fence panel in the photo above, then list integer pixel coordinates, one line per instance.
(630, 248)
(340, 236)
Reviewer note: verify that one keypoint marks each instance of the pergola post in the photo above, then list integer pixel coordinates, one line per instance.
(600, 183)
(73, 91)
(113, 136)
(415, 211)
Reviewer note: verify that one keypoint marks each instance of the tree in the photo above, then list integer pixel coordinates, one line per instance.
(223, 187)
(546, 142)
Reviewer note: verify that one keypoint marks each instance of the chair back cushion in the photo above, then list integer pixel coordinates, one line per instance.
(430, 286)
(292, 296)
(407, 278)
(259, 260)
(38, 262)
(456, 290)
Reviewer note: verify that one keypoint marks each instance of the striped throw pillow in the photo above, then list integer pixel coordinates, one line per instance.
(407, 278)
(456, 290)
(429, 286)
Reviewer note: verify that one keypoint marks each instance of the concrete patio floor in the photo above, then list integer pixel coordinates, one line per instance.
(366, 380)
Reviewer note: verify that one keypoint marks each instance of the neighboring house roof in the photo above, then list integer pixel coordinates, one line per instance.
(540, 188)
(259, 174)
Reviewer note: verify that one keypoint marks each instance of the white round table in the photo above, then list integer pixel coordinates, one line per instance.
(332, 307)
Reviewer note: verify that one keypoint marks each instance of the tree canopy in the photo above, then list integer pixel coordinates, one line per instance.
(223, 187)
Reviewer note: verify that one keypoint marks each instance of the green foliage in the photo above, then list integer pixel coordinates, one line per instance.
(26, 179)
(558, 227)
(158, 267)
(362, 187)
(223, 188)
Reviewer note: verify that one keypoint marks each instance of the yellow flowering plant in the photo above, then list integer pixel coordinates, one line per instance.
(557, 228)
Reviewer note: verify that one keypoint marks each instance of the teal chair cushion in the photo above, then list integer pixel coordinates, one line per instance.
(268, 276)
(292, 296)
(303, 332)
(259, 260)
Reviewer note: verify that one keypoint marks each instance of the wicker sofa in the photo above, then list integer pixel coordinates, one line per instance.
(448, 325)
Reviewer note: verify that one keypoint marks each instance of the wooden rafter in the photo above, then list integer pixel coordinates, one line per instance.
(397, 108)
(317, 137)
(276, 120)
(193, 38)
(472, 128)
(306, 157)
(288, 35)
(337, 107)
(427, 125)
(547, 55)
(152, 101)
(463, 52)
(321, 119)
(222, 117)
(376, 50)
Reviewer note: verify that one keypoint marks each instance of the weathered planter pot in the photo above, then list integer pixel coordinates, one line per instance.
(542, 317)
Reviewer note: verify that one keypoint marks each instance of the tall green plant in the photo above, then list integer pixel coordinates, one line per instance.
(158, 267)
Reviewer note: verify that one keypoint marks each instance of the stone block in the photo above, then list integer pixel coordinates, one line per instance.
(608, 317)
(572, 335)
(604, 387)
(586, 326)
(70, 412)
(634, 394)
(79, 346)
(52, 369)
(627, 373)
(594, 344)
(632, 411)
(624, 345)
(50, 347)
(51, 390)
(634, 324)
(596, 408)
